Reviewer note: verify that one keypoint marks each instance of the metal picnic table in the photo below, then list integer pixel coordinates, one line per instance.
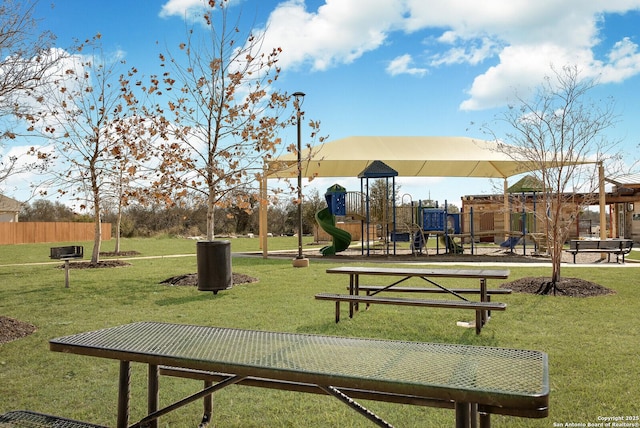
(475, 381)
(428, 275)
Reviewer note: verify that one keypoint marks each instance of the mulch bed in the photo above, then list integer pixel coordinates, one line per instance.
(111, 263)
(101, 264)
(191, 279)
(569, 287)
(12, 329)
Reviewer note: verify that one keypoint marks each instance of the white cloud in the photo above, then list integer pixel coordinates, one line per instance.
(499, 83)
(189, 9)
(624, 62)
(474, 53)
(525, 38)
(339, 32)
(182, 8)
(25, 182)
(517, 39)
(402, 65)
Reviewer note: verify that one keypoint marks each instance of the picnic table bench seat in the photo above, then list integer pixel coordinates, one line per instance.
(479, 307)
(619, 247)
(29, 419)
(375, 289)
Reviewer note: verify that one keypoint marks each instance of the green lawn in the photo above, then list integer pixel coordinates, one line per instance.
(592, 343)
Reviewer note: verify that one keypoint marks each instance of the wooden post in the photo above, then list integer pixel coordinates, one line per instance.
(507, 217)
(263, 224)
(602, 203)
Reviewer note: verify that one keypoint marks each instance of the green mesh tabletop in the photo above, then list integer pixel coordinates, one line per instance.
(449, 273)
(27, 419)
(508, 380)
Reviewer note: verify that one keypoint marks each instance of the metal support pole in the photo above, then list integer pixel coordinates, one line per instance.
(299, 261)
(299, 188)
(153, 384)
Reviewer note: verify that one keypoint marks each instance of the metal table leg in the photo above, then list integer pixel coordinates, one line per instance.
(463, 415)
(208, 406)
(153, 393)
(124, 391)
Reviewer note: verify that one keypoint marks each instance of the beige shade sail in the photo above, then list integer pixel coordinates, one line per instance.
(410, 156)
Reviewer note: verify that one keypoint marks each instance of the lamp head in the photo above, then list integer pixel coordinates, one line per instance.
(299, 96)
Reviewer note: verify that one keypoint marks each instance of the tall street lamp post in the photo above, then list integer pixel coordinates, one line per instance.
(299, 261)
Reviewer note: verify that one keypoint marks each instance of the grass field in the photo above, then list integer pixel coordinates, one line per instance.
(592, 342)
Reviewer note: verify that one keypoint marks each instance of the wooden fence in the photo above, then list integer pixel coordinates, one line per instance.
(34, 232)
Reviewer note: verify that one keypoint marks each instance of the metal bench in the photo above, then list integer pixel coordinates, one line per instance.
(479, 307)
(29, 419)
(375, 289)
(619, 247)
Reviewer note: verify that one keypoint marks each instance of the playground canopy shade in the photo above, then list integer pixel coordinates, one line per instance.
(410, 156)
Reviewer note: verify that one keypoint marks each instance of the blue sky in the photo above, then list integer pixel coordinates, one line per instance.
(399, 67)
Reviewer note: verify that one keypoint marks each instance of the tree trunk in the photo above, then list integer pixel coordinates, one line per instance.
(97, 236)
(555, 248)
(210, 219)
(97, 222)
(118, 222)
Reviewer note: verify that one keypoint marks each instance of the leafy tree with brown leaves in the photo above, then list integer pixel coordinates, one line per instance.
(26, 58)
(223, 115)
(90, 113)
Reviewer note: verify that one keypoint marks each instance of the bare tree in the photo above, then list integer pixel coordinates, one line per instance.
(225, 112)
(26, 57)
(559, 133)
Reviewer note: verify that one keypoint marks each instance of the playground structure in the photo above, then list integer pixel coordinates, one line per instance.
(513, 223)
(413, 223)
(383, 224)
(481, 220)
(326, 219)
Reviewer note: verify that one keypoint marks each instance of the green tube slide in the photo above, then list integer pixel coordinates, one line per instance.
(341, 238)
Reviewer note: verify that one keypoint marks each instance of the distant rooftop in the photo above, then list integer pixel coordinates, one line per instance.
(625, 180)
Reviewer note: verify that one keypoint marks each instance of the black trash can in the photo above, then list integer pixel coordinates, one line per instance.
(214, 266)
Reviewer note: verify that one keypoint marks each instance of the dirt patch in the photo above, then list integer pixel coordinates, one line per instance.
(191, 279)
(12, 329)
(119, 254)
(99, 265)
(569, 287)
(103, 263)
